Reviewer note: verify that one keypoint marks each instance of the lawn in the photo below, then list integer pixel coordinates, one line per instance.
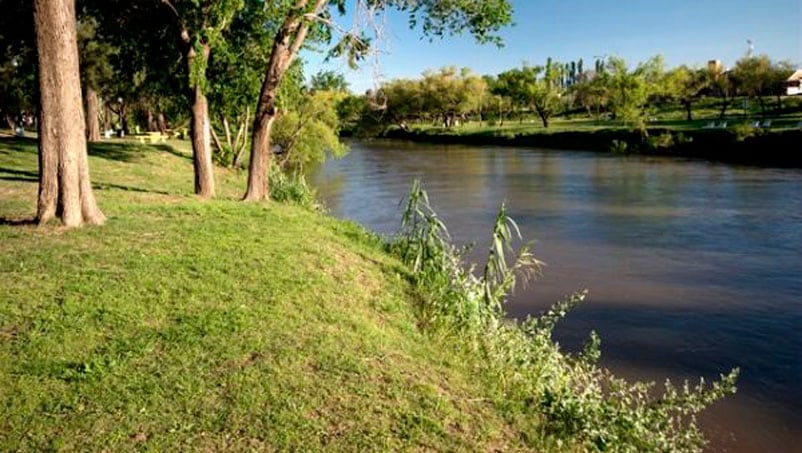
(220, 325)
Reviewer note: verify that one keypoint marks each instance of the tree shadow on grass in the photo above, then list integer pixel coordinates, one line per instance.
(110, 186)
(19, 144)
(18, 221)
(173, 151)
(18, 175)
(123, 152)
(32, 176)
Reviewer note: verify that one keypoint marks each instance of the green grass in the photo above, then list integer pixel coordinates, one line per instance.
(189, 325)
(671, 117)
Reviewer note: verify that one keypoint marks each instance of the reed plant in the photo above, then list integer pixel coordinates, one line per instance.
(568, 401)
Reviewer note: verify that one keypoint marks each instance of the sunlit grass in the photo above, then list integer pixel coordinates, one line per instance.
(189, 325)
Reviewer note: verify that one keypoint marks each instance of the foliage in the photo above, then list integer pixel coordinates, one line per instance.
(742, 131)
(328, 81)
(307, 133)
(580, 405)
(619, 147)
(291, 188)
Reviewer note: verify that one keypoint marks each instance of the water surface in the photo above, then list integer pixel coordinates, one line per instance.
(692, 267)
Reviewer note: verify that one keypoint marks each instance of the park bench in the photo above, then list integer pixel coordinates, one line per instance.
(152, 137)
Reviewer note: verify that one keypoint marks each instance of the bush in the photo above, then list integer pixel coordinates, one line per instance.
(568, 402)
(742, 131)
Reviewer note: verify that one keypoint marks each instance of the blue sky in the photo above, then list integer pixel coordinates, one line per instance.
(683, 31)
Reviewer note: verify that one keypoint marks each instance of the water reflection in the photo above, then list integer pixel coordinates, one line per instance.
(693, 267)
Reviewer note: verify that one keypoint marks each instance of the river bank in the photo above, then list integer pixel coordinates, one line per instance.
(195, 325)
(753, 147)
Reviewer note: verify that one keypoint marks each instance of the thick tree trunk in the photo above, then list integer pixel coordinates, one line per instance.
(201, 146)
(258, 189)
(286, 45)
(161, 124)
(200, 129)
(92, 115)
(64, 185)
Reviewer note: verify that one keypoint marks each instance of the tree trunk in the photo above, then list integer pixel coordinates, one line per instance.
(241, 139)
(725, 103)
(151, 120)
(92, 115)
(64, 185)
(216, 140)
(286, 45)
(200, 133)
(201, 146)
(260, 158)
(688, 110)
(545, 120)
(161, 124)
(227, 130)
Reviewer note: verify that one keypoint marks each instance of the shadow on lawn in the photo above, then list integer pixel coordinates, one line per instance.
(123, 152)
(32, 176)
(173, 151)
(22, 221)
(18, 175)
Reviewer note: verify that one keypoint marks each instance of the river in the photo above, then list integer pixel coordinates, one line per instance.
(692, 267)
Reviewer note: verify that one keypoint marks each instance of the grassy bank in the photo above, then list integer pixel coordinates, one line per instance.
(213, 326)
(220, 325)
(739, 143)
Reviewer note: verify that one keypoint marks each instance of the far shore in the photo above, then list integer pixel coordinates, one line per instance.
(772, 148)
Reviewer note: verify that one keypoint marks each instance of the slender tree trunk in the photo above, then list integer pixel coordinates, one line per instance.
(725, 103)
(544, 119)
(199, 128)
(688, 110)
(216, 140)
(64, 184)
(227, 130)
(241, 139)
(92, 115)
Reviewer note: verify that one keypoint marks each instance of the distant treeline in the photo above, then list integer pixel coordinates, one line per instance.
(610, 90)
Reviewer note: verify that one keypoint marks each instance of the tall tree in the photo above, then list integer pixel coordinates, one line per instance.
(684, 85)
(754, 77)
(96, 71)
(65, 190)
(200, 25)
(436, 18)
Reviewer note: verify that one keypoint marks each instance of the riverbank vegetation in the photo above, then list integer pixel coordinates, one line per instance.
(747, 100)
(208, 325)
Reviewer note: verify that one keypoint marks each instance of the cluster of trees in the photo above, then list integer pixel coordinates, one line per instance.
(231, 62)
(612, 90)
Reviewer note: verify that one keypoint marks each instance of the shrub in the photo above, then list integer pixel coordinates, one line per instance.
(742, 131)
(568, 401)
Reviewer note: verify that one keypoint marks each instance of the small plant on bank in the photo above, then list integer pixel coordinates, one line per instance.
(565, 402)
(619, 147)
(742, 131)
(291, 188)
